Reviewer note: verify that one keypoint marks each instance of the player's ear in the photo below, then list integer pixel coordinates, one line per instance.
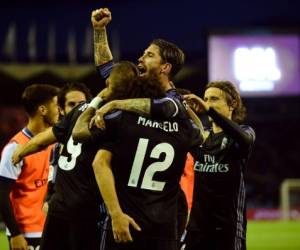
(42, 109)
(166, 68)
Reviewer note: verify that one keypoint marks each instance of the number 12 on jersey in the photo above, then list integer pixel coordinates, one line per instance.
(148, 182)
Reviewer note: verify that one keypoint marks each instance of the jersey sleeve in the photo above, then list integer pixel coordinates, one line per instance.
(105, 69)
(168, 108)
(243, 135)
(60, 129)
(7, 168)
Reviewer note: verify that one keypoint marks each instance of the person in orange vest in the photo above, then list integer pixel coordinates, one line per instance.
(23, 187)
(187, 180)
(185, 197)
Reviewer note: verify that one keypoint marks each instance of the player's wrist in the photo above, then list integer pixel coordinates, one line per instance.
(96, 102)
(116, 213)
(99, 29)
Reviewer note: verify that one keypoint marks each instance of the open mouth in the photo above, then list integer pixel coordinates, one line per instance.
(142, 69)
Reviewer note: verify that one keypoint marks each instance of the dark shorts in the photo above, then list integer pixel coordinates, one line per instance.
(62, 234)
(214, 241)
(139, 244)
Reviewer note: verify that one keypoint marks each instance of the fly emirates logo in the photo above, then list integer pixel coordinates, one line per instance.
(210, 165)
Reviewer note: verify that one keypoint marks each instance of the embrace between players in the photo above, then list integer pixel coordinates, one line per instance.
(127, 149)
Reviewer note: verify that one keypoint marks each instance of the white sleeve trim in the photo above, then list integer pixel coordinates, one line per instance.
(176, 107)
(7, 169)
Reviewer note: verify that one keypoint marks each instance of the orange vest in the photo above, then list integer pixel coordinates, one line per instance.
(29, 190)
(187, 180)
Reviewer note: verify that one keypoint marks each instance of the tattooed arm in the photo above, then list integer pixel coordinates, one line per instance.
(164, 108)
(100, 18)
(141, 106)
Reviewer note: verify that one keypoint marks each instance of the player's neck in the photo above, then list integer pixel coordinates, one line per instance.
(36, 125)
(166, 84)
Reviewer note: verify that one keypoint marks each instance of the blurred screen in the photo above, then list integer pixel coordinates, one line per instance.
(260, 65)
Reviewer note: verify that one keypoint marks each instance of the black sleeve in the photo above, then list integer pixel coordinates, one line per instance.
(244, 137)
(167, 108)
(105, 69)
(5, 206)
(60, 129)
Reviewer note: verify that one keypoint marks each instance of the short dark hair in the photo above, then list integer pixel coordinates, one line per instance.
(73, 86)
(128, 84)
(36, 95)
(233, 98)
(170, 53)
(122, 77)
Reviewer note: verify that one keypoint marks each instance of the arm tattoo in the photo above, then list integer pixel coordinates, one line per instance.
(102, 51)
(141, 106)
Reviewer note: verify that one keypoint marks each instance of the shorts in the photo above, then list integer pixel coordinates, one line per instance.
(140, 243)
(60, 234)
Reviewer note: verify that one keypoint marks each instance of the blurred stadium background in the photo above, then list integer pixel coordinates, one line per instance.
(256, 44)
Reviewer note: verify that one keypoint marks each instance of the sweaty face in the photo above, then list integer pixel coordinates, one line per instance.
(52, 114)
(216, 98)
(150, 61)
(73, 98)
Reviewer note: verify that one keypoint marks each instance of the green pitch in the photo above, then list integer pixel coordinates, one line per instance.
(274, 235)
(3, 241)
(261, 236)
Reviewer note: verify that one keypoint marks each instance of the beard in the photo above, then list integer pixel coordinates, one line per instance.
(50, 120)
(151, 74)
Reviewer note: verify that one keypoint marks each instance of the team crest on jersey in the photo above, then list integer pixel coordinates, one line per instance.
(224, 143)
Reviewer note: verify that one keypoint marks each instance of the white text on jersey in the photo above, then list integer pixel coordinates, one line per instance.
(164, 125)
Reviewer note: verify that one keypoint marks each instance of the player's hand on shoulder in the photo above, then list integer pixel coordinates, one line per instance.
(18, 242)
(98, 121)
(100, 18)
(120, 226)
(100, 113)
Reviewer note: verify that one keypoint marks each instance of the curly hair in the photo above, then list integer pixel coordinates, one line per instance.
(73, 86)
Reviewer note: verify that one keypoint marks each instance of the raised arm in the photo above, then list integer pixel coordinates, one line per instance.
(106, 183)
(36, 144)
(100, 18)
